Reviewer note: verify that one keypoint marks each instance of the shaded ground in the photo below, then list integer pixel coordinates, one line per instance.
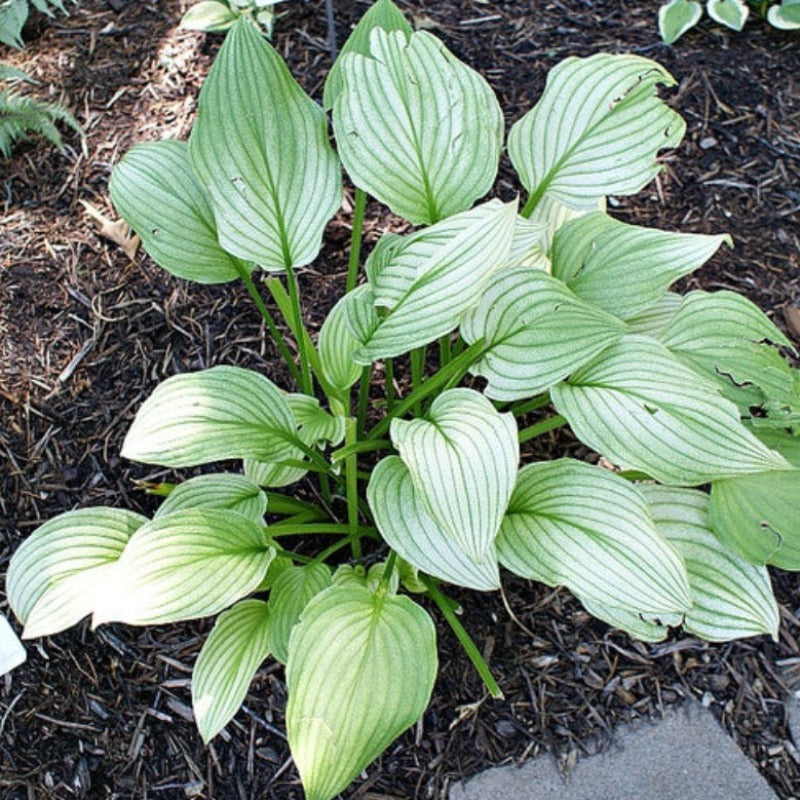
(85, 335)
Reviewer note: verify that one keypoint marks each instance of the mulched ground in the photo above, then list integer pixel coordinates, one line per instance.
(85, 334)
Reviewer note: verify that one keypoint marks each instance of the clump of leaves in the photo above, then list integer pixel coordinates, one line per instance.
(542, 317)
(214, 16)
(14, 15)
(22, 115)
(679, 16)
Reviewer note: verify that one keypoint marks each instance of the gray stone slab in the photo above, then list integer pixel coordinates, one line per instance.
(686, 756)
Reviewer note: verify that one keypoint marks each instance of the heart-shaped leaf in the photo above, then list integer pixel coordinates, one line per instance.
(574, 524)
(536, 333)
(233, 652)
(158, 195)
(361, 670)
(408, 528)
(677, 17)
(185, 565)
(595, 131)
(463, 461)
(55, 577)
(731, 13)
(382, 119)
(260, 146)
(786, 16)
(665, 420)
(215, 414)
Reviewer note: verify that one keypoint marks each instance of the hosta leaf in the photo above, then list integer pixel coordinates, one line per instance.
(55, 576)
(731, 598)
(260, 145)
(347, 574)
(463, 461)
(622, 268)
(277, 567)
(785, 443)
(640, 407)
(720, 334)
(44, 6)
(595, 131)
(654, 319)
(646, 629)
(291, 593)
(536, 333)
(315, 426)
(551, 216)
(382, 14)
(12, 651)
(273, 475)
(757, 516)
(447, 284)
(233, 652)
(677, 17)
(376, 574)
(408, 528)
(208, 15)
(732, 13)
(396, 262)
(185, 565)
(224, 491)
(415, 127)
(584, 527)
(157, 194)
(215, 414)
(337, 342)
(786, 16)
(361, 670)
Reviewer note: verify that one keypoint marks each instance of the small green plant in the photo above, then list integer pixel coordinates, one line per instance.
(214, 16)
(14, 15)
(678, 16)
(562, 315)
(22, 115)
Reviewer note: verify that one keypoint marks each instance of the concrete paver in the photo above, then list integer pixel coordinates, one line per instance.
(686, 756)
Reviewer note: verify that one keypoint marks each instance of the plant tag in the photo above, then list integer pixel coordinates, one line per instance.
(12, 653)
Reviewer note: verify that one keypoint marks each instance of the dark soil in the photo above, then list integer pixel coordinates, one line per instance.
(85, 335)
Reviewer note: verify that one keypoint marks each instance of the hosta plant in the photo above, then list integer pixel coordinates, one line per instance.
(488, 325)
(214, 16)
(678, 16)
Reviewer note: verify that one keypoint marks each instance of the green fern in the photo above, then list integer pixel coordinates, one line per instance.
(14, 14)
(21, 115)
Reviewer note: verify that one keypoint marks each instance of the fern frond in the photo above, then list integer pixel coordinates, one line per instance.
(21, 116)
(14, 75)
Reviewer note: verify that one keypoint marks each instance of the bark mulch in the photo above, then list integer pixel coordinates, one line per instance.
(86, 333)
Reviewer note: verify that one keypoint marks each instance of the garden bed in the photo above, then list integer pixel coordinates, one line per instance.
(85, 335)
